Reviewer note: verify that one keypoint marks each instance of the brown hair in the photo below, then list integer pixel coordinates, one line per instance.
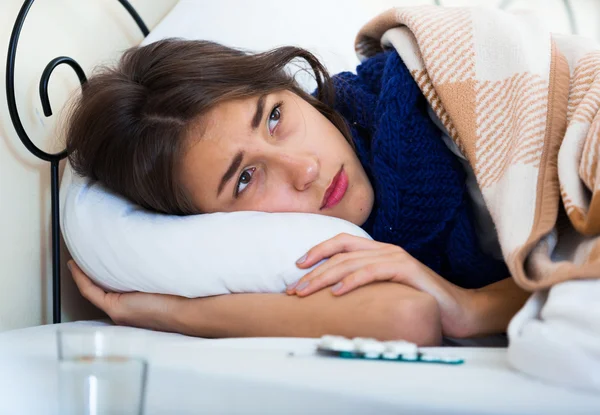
(128, 127)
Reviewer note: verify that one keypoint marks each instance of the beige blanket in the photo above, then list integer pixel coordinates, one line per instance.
(523, 106)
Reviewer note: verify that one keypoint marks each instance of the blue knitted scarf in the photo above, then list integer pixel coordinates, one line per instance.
(421, 201)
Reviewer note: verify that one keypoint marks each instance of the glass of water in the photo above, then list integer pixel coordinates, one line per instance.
(98, 373)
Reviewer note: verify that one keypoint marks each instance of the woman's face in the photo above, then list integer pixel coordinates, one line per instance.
(274, 153)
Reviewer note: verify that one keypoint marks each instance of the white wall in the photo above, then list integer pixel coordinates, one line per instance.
(94, 31)
(90, 31)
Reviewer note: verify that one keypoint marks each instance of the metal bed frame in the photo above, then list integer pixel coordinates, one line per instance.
(53, 159)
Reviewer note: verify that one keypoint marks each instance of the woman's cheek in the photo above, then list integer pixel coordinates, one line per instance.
(269, 196)
(282, 202)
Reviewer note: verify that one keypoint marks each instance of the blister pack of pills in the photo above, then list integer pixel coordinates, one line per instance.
(365, 348)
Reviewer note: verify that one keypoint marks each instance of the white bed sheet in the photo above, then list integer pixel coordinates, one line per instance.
(276, 376)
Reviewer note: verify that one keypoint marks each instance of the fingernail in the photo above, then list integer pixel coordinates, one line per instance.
(70, 266)
(302, 259)
(337, 287)
(302, 286)
(292, 286)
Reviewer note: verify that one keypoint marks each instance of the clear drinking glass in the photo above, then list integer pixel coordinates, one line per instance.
(99, 374)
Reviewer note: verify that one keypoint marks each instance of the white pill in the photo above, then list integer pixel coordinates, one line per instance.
(336, 344)
(400, 347)
(390, 355)
(370, 347)
(410, 356)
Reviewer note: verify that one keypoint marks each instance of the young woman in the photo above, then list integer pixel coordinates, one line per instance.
(188, 127)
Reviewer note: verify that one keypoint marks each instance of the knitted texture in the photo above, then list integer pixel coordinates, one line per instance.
(421, 201)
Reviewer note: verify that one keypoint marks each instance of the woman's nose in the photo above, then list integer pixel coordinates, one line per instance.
(303, 169)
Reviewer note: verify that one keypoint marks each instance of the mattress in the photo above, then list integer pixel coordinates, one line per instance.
(276, 376)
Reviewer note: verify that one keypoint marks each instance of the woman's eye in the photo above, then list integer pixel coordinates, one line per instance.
(244, 181)
(274, 118)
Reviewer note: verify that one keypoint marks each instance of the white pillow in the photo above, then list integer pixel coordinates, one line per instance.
(326, 28)
(125, 248)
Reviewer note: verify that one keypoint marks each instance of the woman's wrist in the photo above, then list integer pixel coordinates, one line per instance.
(163, 312)
(492, 307)
(478, 321)
(462, 319)
(478, 314)
(188, 316)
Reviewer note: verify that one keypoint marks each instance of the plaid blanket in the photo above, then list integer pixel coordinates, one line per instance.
(522, 105)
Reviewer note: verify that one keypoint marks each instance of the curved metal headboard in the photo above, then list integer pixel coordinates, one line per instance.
(54, 159)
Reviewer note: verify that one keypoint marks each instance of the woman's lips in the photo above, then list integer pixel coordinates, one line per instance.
(336, 190)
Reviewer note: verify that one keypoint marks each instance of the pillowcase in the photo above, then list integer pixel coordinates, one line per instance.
(123, 247)
(326, 28)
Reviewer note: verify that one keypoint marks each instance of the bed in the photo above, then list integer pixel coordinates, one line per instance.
(275, 376)
(264, 375)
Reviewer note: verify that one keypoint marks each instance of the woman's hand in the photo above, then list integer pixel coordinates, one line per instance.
(356, 261)
(130, 309)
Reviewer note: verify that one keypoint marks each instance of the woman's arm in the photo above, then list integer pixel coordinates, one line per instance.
(354, 262)
(383, 310)
(493, 306)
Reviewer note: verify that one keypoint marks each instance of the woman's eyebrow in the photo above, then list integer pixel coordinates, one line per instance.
(258, 114)
(233, 167)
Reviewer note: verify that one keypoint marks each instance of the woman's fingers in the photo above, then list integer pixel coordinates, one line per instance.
(87, 288)
(335, 275)
(379, 271)
(318, 279)
(346, 261)
(338, 244)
